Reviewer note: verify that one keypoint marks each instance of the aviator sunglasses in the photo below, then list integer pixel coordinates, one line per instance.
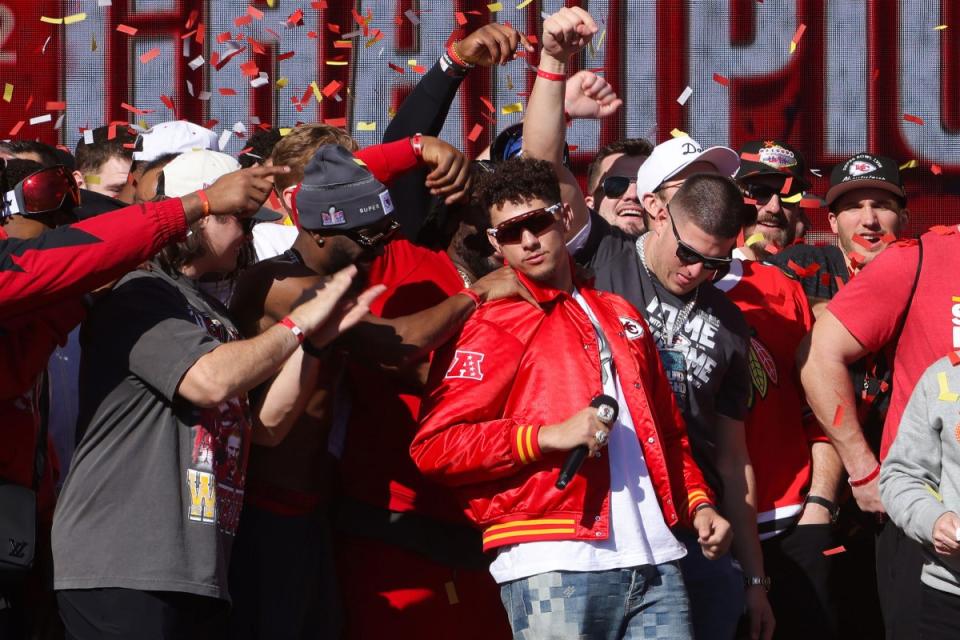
(616, 186)
(536, 222)
(688, 255)
(762, 193)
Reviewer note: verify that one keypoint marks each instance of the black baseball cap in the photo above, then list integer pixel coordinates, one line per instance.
(770, 157)
(865, 171)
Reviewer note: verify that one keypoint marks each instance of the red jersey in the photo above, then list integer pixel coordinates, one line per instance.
(376, 466)
(873, 304)
(779, 427)
(42, 283)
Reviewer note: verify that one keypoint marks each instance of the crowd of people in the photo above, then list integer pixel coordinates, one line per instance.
(320, 391)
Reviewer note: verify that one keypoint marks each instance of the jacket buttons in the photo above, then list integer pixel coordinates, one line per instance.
(636, 385)
(598, 533)
(650, 440)
(596, 518)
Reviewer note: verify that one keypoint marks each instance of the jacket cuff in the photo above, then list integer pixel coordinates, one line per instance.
(171, 219)
(695, 498)
(523, 443)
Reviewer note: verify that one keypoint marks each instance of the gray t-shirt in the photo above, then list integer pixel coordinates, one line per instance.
(153, 497)
(707, 365)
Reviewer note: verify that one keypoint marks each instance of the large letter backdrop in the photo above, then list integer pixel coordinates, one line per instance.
(832, 78)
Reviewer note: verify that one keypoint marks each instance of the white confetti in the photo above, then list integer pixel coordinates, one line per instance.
(196, 63)
(254, 119)
(104, 3)
(59, 122)
(238, 127)
(204, 95)
(351, 35)
(45, 43)
(88, 136)
(260, 80)
(685, 95)
(41, 119)
(190, 88)
(186, 48)
(817, 172)
(224, 139)
(412, 17)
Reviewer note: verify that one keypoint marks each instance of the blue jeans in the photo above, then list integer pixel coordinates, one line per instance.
(641, 602)
(717, 598)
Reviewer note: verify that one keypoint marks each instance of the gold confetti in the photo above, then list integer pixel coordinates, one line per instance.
(493, 7)
(51, 20)
(676, 133)
(755, 239)
(285, 131)
(523, 5)
(795, 198)
(511, 108)
(77, 17)
(7, 92)
(271, 3)
(316, 91)
(337, 63)
(412, 62)
(366, 126)
(909, 164)
(940, 27)
(281, 83)
(91, 178)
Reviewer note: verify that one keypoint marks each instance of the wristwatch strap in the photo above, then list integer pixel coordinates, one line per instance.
(829, 505)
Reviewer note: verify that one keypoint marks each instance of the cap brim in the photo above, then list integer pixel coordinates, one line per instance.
(838, 190)
(724, 159)
(267, 215)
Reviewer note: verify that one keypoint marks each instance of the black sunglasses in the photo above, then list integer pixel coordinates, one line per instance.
(763, 192)
(536, 222)
(616, 186)
(688, 255)
(373, 235)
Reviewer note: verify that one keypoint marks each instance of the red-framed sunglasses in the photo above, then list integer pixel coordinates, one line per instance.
(43, 192)
(536, 222)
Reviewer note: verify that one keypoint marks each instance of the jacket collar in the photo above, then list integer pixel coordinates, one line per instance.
(544, 293)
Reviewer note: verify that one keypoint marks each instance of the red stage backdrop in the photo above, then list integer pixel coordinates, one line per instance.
(876, 76)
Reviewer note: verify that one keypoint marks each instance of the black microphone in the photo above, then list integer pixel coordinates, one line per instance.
(607, 410)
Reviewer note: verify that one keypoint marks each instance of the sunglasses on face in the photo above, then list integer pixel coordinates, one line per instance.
(762, 193)
(370, 237)
(688, 255)
(45, 191)
(536, 222)
(616, 186)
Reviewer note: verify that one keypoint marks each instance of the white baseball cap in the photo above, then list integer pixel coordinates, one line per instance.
(175, 136)
(195, 170)
(673, 156)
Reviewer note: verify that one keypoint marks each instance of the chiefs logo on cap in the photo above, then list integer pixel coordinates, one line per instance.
(861, 167)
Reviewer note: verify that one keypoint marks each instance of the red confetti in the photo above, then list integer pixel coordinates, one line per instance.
(243, 20)
(838, 416)
(192, 18)
(461, 19)
(133, 109)
(295, 18)
(286, 56)
(342, 44)
(254, 12)
(56, 106)
(719, 79)
(785, 189)
(227, 91)
(335, 28)
(332, 87)
(396, 68)
(26, 107)
(475, 133)
(935, 169)
(257, 47)
(336, 122)
(909, 117)
(419, 68)
(312, 34)
(150, 55)
(188, 34)
(320, 4)
(17, 127)
(954, 357)
(488, 104)
(834, 551)
(167, 101)
(201, 31)
(130, 31)
(111, 132)
(250, 69)
(223, 37)
(210, 124)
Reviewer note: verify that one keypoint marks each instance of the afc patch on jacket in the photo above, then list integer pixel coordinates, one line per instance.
(466, 364)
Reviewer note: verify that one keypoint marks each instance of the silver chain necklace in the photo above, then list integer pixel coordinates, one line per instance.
(681, 319)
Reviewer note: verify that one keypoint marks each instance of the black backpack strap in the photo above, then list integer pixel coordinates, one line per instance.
(40, 454)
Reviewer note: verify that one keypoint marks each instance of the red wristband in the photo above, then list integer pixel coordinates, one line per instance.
(867, 479)
(204, 202)
(473, 295)
(559, 77)
(297, 331)
(417, 143)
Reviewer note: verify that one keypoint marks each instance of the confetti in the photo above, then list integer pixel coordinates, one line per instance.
(366, 126)
(77, 17)
(719, 79)
(909, 117)
(676, 133)
(909, 164)
(940, 27)
(56, 106)
(936, 169)
(130, 31)
(342, 44)
(523, 5)
(281, 83)
(167, 101)
(475, 133)
(51, 20)
(223, 37)
(954, 357)
(150, 55)
(316, 92)
(196, 63)
(226, 91)
(17, 127)
(488, 104)
(493, 7)
(396, 68)
(91, 178)
(838, 414)
(835, 551)
(461, 19)
(41, 119)
(250, 68)
(337, 63)
(133, 109)
(755, 239)
(242, 20)
(414, 20)
(785, 189)
(516, 107)
(7, 92)
(88, 136)
(224, 139)
(332, 87)
(285, 131)
(796, 37)
(254, 12)
(685, 95)
(336, 122)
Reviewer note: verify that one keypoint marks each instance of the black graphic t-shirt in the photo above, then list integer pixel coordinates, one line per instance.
(154, 494)
(707, 364)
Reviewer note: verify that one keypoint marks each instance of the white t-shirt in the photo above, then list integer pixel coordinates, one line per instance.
(270, 240)
(638, 533)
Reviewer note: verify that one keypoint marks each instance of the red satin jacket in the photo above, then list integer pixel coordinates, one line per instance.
(515, 368)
